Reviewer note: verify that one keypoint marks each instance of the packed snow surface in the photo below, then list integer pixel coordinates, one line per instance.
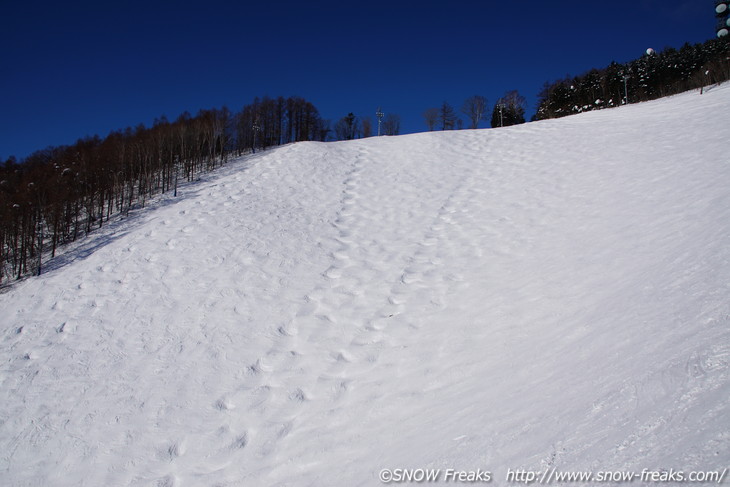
(554, 295)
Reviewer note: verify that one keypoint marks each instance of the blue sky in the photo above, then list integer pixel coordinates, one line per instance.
(71, 69)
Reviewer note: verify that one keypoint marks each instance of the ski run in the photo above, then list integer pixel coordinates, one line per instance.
(548, 297)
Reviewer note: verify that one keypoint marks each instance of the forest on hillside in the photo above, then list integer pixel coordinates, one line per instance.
(58, 194)
(654, 75)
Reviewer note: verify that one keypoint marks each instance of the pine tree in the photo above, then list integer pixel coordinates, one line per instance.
(447, 116)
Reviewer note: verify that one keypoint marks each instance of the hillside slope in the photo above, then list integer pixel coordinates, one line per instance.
(551, 295)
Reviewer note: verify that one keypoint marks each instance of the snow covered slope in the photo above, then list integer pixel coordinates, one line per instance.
(551, 295)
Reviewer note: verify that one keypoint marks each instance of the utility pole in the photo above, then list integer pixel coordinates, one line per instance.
(379, 114)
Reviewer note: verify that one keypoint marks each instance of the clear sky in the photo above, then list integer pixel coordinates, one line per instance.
(71, 69)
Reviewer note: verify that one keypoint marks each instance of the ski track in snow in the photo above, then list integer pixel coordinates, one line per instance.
(547, 295)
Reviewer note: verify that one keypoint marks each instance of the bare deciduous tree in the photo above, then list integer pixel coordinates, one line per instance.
(367, 127)
(391, 124)
(347, 128)
(475, 108)
(431, 117)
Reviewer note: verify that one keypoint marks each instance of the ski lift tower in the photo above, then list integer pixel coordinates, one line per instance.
(379, 114)
(722, 11)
